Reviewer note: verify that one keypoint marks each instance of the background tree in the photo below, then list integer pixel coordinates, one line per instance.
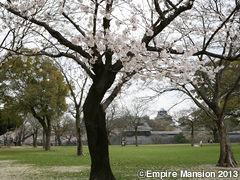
(190, 120)
(77, 83)
(59, 128)
(38, 87)
(116, 121)
(206, 121)
(214, 43)
(135, 117)
(64, 127)
(35, 127)
(180, 138)
(71, 130)
(9, 119)
(233, 108)
(23, 133)
(113, 121)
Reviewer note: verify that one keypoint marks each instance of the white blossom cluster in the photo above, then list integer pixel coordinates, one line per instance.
(204, 26)
(81, 23)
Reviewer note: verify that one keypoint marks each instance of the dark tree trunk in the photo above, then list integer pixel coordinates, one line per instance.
(95, 122)
(59, 140)
(48, 139)
(47, 127)
(45, 121)
(215, 135)
(19, 139)
(136, 137)
(98, 147)
(79, 145)
(44, 139)
(192, 135)
(79, 134)
(109, 141)
(35, 138)
(226, 158)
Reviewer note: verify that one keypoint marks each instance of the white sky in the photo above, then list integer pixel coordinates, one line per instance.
(169, 101)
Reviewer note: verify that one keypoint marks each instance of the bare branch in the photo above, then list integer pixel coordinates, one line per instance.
(57, 35)
(82, 64)
(74, 24)
(165, 22)
(220, 27)
(158, 9)
(171, 4)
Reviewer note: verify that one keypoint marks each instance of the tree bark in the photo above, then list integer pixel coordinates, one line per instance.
(59, 140)
(35, 133)
(136, 136)
(109, 141)
(192, 135)
(79, 133)
(45, 121)
(47, 127)
(44, 139)
(48, 138)
(95, 122)
(19, 139)
(226, 158)
(215, 135)
(79, 145)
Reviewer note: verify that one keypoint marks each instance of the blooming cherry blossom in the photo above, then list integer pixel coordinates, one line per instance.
(115, 40)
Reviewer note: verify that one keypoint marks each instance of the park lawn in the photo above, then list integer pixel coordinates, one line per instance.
(62, 163)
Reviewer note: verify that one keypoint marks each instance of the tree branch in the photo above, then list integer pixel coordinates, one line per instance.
(156, 30)
(158, 9)
(116, 90)
(74, 24)
(57, 35)
(220, 27)
(76, 59)
(199, 104)
(229, 94)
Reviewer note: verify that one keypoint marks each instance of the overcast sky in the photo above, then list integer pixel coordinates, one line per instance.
(169, 101)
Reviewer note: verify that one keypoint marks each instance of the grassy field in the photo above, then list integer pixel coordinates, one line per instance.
(61, 162)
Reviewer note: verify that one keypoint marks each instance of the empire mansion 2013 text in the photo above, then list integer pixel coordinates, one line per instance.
(187, 174)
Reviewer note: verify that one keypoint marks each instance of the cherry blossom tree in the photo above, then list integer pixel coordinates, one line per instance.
(111, 40)
(209, 37)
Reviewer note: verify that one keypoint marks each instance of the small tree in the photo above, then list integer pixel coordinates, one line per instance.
(71, 130)
(64, 127)
(134, 117)
(190, 120)
(113, 120)
(35, 127)
(23, 133)
(77, 83)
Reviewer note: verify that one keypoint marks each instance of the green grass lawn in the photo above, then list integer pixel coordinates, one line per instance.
(125, 161)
